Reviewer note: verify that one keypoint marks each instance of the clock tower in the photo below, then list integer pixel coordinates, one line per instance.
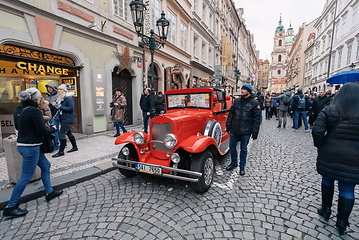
(279, 54)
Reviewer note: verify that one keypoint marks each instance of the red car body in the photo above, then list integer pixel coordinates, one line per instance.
(196, 119)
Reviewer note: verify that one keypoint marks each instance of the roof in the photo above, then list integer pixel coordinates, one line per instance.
(266, 61)
(279, 81)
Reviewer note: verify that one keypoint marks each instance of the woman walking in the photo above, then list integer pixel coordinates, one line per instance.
(336, 135)
(31, 128)
(118, 112)
(66, 105)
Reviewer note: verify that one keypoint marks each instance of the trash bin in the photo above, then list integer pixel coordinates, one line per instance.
(14, 160)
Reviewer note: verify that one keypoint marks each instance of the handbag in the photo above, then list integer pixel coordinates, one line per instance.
(47, 145)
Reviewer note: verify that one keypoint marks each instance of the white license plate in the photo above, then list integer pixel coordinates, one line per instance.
(148, 169)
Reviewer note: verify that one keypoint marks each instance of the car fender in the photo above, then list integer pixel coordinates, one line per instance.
(197, 144)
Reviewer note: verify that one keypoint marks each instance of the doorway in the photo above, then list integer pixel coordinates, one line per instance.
(123, 81)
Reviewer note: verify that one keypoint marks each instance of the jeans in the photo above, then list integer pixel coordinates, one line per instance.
(56, 133)
(32, 156)
(345, 189)
(119, 125)
(282, 116)
(267, 112)
(145, 121)
(303, 114)
(234, 139)
(65, 129)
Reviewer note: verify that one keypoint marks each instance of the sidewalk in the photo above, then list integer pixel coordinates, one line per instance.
(92, 159)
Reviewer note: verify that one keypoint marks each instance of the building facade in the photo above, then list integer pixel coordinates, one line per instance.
(88, 44)
(263, 75)
(308, 67)
(296, 56)
(279, 85)
(279, 55)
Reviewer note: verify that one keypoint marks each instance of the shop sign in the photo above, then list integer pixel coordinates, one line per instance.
(99, 86)
(27, 68)
(16, 82)
(72, 82)
(176, 71)
(7, 124)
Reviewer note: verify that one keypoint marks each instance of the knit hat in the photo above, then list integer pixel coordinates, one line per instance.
(64, 87)
(29, 94)
(247, 87)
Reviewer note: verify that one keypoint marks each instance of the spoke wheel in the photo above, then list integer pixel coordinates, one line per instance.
(204, 164)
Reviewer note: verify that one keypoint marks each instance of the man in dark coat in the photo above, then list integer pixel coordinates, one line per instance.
(145, 104)
(300, 106)
(160, 104)
(260, 99)
(319, 103)
(243, 122)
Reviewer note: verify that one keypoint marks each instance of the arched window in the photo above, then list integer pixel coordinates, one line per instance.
(280, 43)
(278, 72)
(279, 58)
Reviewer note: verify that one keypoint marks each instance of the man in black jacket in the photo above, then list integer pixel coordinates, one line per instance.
(319, 103)
(145, 104)
(160, 104)
(300, 106)
(242, 123)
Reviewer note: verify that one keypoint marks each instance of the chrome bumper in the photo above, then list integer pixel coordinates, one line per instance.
(168, 175)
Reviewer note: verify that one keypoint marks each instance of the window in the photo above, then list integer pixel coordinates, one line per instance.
(336, 31)
(279, 58)
(278, 72)
(195, 42)
(210, 23)
(204, 52)
(323, 45)
(121, 8)
(320, 68)
(280, 43)
(171, 37)
(329, 40)
(210, 52)
(355, 14)
(183, 37)
(326, 22)
(344, 24)
(339, 58)
(340, 5)
(156, 14)
(349, 55)
(204, 13)
(333, 61)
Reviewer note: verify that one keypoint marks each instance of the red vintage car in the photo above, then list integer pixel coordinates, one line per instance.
(183, 142)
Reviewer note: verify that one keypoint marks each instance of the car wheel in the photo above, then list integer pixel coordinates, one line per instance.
(213, 129)
(204, 164)
(125, 172)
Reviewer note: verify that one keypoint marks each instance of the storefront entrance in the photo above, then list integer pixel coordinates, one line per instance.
(22, 68)
(123, 81)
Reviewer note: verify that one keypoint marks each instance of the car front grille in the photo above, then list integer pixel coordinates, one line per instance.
(158, 133)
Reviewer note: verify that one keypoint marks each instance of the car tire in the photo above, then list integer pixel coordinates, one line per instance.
(204, 164)
(213, 129)
(125, 172)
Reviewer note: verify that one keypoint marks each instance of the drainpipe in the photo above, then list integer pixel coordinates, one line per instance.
(331, 44)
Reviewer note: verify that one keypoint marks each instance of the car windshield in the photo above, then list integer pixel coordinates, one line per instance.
(188, 100)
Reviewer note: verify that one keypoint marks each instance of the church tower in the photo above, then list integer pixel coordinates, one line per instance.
(289, 38)
(279, 54)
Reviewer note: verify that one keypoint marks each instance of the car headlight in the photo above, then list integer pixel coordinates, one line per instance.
(175, 158)
(126, 151)
(170, 140)
(139, 138)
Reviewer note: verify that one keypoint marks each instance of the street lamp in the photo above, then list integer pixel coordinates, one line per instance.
(137, 9)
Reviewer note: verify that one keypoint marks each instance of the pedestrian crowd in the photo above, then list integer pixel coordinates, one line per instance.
(43, 124)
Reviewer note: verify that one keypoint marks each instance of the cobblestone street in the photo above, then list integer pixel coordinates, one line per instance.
(276, 199)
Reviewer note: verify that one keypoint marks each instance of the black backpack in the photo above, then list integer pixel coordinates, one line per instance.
(286, 100)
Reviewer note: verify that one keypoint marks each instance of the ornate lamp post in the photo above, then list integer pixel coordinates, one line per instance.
(137, 9)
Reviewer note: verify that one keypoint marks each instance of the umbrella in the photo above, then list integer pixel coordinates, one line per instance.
(344, 77)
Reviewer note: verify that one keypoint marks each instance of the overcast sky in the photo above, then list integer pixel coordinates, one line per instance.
(262, 18)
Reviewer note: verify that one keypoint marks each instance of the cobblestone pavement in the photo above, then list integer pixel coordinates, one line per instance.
(276, 199)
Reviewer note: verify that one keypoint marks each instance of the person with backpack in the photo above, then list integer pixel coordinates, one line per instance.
(310, 110)
(283, 103)
(300, 108)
